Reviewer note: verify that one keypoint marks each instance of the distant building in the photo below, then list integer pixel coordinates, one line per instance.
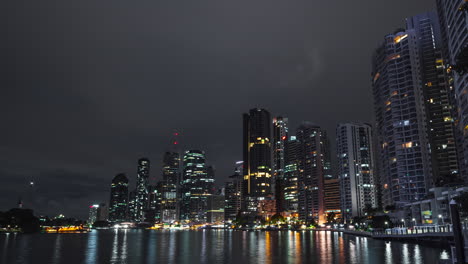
(102, 212)
(233, 197)
(257, 143)
(118, 198)
(141, 201)
(266, 208)
(291, 176)
(215, 209)
(280, 137)
(93, 212)
(315, 168)
(169, 202)
(132, 207)
(356, 169)
(197, 184)
(153, 214)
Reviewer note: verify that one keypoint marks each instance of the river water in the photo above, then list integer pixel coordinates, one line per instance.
(212, 246)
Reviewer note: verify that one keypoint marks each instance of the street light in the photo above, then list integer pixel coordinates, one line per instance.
(441, 218)
(403, 220)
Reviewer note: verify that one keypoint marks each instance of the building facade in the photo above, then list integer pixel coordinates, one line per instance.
(315, 168)
(280, 137)
(168, 187)
(257, 146)
(233, 194)
(404, 161)
(141, 202)
(118, 198)
(436, 93)
(453, 19)
(291, 177)
(197, 184)
(356, 168)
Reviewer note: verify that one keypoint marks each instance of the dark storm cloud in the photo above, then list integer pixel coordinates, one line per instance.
(88, 87)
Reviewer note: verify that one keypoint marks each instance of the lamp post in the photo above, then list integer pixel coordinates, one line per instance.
(403, 221)
(441, 219)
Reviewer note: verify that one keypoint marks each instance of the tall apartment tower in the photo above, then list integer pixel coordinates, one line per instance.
(257, 144)
(413, 117)
(280, 138)
(454, 31)
(142, 188)
(356, 169)
(197, 184)
(315, 168)
(118, 198)
(436, 92)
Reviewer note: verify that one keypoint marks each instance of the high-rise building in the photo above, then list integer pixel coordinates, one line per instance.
(169, 200)
(315, 168)
(93, 211)
(436, 92)
(257, 145)
(102, 212)
(153, 213)
(132, 206)
(454, 32)
(291, 177)
(356, 168)
(215, 208)
(232, 193)
(332, 198)
(413, 116)
(197, 184)
(142, 189)
(118, 198)
(280, 137)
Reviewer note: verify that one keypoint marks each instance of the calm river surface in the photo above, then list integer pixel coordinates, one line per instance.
(211, 246)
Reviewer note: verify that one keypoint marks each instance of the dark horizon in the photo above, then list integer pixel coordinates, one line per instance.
(91, 89)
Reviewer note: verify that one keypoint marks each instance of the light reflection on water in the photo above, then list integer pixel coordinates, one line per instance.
(388, 253)
(92, 248)
(192, 247)
(57, 247)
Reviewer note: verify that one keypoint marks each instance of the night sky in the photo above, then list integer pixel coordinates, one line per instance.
(88, 87)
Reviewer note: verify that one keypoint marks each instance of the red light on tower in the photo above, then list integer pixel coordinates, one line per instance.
(175, 143)
(283, 137)
(176, 134)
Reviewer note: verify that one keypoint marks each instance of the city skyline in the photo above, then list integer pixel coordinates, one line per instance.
(93, 143)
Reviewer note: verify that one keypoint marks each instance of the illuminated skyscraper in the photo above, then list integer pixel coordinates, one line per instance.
(118, 198)
(170, 171)
(93, 212)
(291, 176)
(280, 137)
(413, 113)
(257, 145)
(197, 184)
(356, 169)
(315, 168)
(142, 189)
(132, 206)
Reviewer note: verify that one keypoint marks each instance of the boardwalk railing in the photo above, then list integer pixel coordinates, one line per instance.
(415, 230)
